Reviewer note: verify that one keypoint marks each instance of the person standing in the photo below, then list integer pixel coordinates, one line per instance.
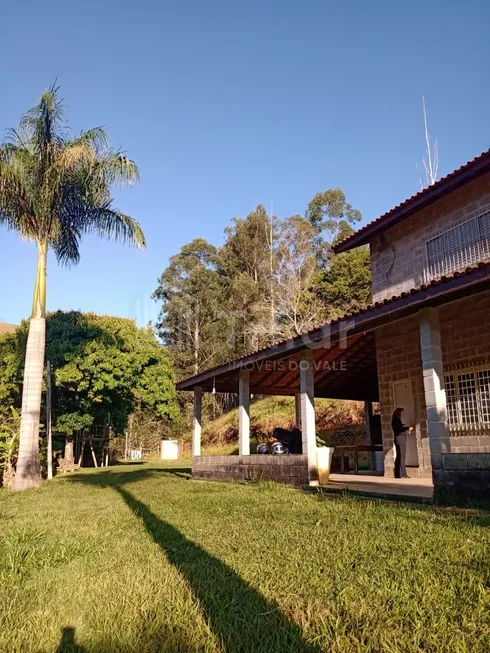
(400, 435)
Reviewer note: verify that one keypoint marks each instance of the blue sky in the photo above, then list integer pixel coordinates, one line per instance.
(225, 105)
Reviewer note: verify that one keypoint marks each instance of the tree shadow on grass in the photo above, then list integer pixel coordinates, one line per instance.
(240, 617)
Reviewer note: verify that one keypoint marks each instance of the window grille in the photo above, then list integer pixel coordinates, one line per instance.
(483, 380)
(451, 400)
(460, 246)
(468, 398)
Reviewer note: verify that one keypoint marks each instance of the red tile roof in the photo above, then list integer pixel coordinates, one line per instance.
(458, 281)
(469, 171)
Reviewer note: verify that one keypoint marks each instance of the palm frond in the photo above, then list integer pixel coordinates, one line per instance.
(16, 210)
(55, 189)
(74, 156)
(67, 246)
(96, 137)
(116, 169)
(111, 224)
(43, 125)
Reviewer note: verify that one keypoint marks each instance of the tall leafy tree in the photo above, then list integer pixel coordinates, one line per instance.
(250, 256)
(332, 219)
(194, 318)
(247, 245)
(345, 285)
(298, 307)
(54, 189)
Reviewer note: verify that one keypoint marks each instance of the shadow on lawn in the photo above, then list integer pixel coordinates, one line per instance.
(240, 617)
(68, 643)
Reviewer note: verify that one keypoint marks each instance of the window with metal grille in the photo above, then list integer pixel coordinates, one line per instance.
(460, 246)
(451, 399)
(468, 398)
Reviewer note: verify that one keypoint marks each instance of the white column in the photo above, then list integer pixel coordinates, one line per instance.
(435, 394)
(196, 422)
(297, 407)
(244, 413)
(308, 430)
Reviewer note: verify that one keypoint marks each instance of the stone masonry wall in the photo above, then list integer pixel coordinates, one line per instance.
(399, 359)
(465, 341)
(399, 255)
(464, 461)
(292, 470)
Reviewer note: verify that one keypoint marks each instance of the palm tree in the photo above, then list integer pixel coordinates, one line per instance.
(53, 190)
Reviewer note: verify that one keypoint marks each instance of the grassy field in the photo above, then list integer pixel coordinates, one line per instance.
(140, 558)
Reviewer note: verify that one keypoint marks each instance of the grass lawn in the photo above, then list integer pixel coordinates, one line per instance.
(140, 558)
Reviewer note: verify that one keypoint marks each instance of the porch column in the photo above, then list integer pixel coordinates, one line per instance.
(196, 422)
(368, 414)
(435, 394)
(308, 430)
(244, 413)
(297, 407)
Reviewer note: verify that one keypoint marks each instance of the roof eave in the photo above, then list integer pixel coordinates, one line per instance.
(434, 294)
(452, 182)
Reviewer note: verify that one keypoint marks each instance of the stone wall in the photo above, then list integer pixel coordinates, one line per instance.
(292, 470)
(399, 359)
(463, 472)
(399, 255)
(465, 341)
(464, 460)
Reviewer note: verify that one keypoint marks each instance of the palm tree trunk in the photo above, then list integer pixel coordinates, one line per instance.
(28, 472)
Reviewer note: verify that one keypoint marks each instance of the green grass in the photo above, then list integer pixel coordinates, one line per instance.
(140, 558)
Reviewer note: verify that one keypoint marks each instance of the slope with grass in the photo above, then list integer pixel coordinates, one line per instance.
(140, 558)
(6, 328)
(221, 435)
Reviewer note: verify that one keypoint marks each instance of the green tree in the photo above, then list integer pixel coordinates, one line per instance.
(103, 366)
(333, 219)
(247, 246)
(194, 320)
(106, 369)
(345, 286)
(53, 190)
(250, 257)
(298, 307)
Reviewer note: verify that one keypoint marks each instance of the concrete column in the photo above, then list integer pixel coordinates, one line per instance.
(435, 394)
(308, 430)
(368, 414)
(196, 422)
(297, 407)
(244, 413)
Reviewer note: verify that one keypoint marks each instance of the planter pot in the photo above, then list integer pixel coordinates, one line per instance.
(324, 461)
(170, 450)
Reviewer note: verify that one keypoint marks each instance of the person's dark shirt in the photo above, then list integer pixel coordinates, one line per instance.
(398, 426)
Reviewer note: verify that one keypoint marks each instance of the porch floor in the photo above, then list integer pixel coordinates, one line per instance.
(421, 488)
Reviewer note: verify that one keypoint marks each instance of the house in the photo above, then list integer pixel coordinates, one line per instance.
(423, 343)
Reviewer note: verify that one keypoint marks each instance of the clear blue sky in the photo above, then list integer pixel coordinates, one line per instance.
(227, 104)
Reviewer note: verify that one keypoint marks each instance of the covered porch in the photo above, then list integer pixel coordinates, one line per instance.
(339, 366)
(364, 357)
